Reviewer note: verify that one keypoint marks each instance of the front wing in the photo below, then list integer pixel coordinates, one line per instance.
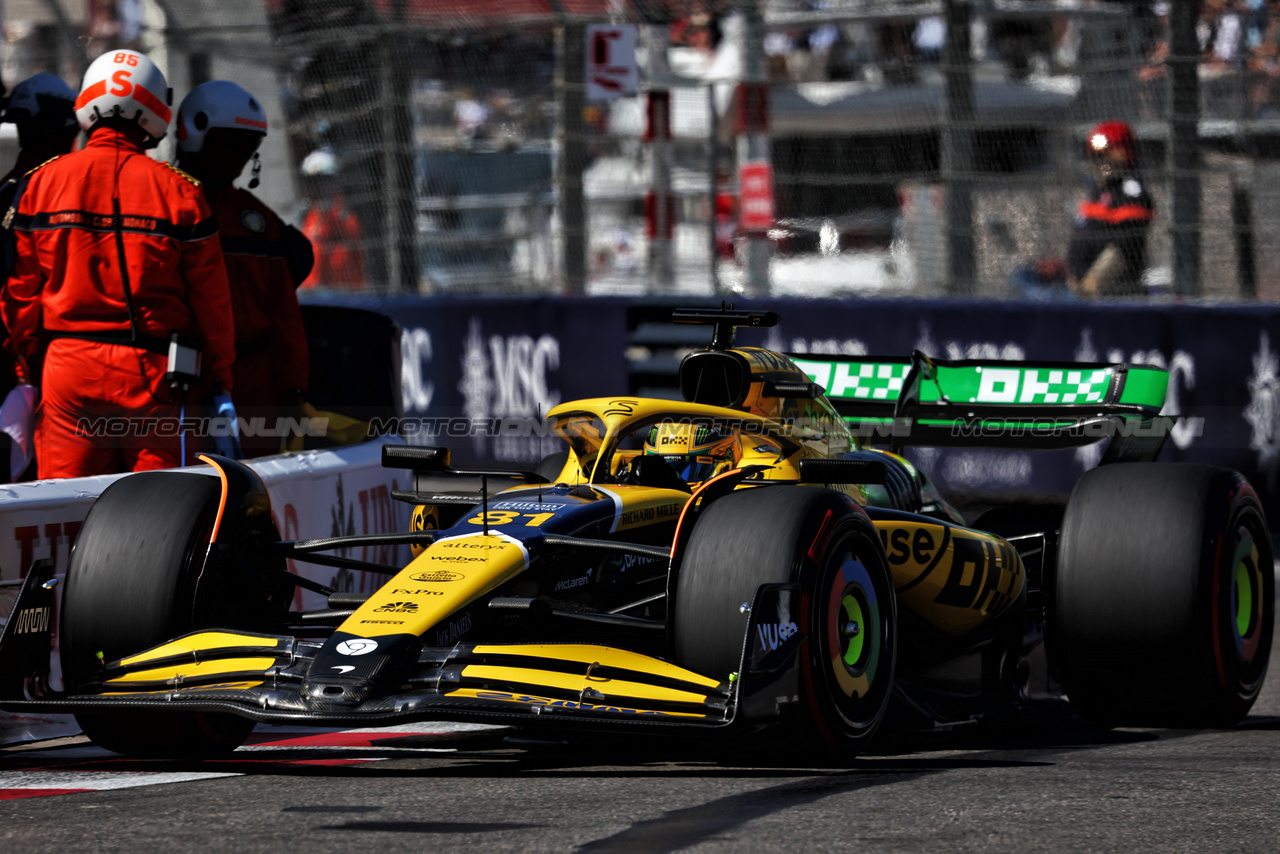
(261, 676)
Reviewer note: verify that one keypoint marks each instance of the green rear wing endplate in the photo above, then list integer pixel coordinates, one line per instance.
(921, 401)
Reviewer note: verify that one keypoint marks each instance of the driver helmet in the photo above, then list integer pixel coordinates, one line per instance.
(217, 104)
(696, 453)
(129, 85)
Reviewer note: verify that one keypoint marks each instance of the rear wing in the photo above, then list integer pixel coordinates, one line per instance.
(973, 403)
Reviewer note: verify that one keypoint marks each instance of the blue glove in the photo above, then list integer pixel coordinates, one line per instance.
(225, 427)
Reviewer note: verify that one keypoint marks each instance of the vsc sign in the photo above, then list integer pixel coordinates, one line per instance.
(611, 62)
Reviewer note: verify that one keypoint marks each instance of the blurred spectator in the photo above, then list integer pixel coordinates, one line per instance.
(700, 31)
(929, 37)
(1108, 250)
(1107, 255)
(778, 46)
(821, 42)
(1255, 22)
(726, 214)
(897, 51)
(1019, 40)
(1221, 34)
(625, 260)
(331, 227)
(471, 117)
(1264, 65)
(1152, 73)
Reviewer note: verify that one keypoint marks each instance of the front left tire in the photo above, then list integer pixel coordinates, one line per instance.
(134, 581)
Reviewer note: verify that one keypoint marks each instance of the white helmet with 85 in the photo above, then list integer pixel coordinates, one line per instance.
(128, 85)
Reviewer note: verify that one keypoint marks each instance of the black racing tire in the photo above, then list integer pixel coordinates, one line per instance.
(132, 584)
(821, 540)
(1163, 606)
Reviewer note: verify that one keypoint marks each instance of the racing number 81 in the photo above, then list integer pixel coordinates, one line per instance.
(506, 517)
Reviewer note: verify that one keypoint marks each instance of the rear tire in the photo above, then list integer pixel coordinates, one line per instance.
(819, 539)
(1164, 601)
(132, 583)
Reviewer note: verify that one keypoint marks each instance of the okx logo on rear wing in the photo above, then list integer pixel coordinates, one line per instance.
(923, 401)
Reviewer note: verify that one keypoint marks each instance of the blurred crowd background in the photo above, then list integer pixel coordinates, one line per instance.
(450, 146)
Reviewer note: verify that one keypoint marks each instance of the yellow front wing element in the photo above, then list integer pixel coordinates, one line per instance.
(603, 655)
(613, 688)
(586, 677)
(450, 574)
(195, 671)
(595, 707)
(203, 643)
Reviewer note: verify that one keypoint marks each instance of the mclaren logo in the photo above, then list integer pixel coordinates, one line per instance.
(398, 607)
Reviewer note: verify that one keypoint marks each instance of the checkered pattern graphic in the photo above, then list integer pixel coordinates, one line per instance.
(1056, 386)
(868, 381)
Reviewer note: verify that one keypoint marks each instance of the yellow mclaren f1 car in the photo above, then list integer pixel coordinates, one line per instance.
(757, 556)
